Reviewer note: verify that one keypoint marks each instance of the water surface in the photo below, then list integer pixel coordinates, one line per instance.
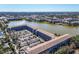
(53, 28)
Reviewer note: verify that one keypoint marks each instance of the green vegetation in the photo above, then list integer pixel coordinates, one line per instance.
(76, 38)
(22, 19)
(65, 50)
(0, 25)
(7, 40)
(44, 22)
(6, 49)
(71, 47)
(12, 47)
(1, 49)
(76, 41)
(64, 16)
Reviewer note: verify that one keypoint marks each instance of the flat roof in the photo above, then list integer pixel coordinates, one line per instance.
(1, 34)
(16, 23)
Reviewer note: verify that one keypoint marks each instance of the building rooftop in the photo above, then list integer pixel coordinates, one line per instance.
(1, 34)
(16, 23)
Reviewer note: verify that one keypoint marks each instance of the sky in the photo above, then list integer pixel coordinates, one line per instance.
(39, 7)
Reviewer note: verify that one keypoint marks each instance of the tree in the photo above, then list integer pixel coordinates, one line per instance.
(75, 40)
(65, 50)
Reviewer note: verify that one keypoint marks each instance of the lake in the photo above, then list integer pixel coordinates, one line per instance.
(53, 28)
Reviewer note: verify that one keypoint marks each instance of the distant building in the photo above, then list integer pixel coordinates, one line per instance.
(3, 19)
